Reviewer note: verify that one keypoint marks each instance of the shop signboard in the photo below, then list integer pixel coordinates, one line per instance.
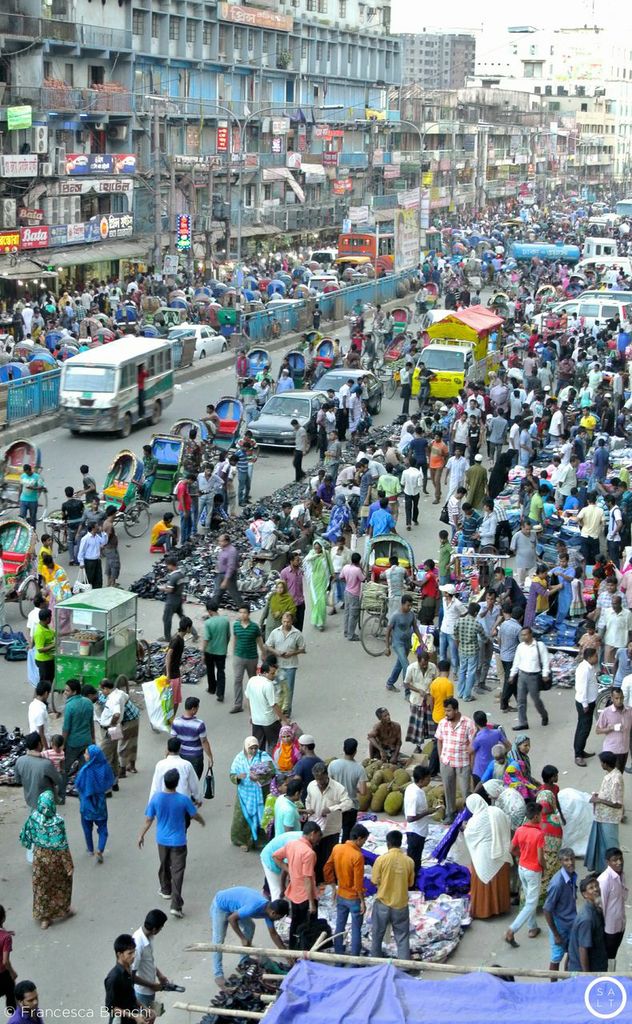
(183, 231)
(34, 237)
(19, 117)
(9, 241)
(23, 166)
(342, 185)
(102, 186)
(221, 137)
(406, 239)
(330, 158)
(100, 163)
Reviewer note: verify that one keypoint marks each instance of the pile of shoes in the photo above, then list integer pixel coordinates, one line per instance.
(11, 747)
(243, 992)
(191, 670)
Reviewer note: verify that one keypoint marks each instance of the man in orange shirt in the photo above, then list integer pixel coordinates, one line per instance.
(346, 867)
(297, 861)
(438, 456)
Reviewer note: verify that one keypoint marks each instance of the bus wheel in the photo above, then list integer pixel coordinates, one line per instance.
(126, 429)
(156, 412)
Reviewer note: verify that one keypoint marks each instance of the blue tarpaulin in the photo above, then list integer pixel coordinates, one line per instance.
(315, 993)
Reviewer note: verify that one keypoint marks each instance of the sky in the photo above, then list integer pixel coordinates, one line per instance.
(492, 16)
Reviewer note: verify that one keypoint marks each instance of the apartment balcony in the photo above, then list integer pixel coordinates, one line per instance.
(62, 99)
(65, 33)
(387, 202)
(357, 160)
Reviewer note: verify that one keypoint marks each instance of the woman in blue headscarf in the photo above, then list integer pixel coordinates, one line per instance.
(93, 781)
(339, 519)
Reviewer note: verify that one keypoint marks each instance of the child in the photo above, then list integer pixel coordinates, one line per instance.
(590, 638)
(7, 975)
(55, 753)
(46, 549)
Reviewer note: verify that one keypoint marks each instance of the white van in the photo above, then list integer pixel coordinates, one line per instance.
(594, 246)
(326, 257)
(591, 309)
(318, 282)
(598, 263)
(99, 388)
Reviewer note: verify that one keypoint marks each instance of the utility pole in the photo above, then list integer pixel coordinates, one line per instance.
(172, 206)
(157, 194)
(209, 222)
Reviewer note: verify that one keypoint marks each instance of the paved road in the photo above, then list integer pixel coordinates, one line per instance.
(338, 687)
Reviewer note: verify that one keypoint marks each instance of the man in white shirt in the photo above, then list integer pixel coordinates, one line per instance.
(38, 714)
(110, 720)
(530, 665)
(411, 480)
(586, 691)
(266, 714)
(189, 784)
(416, 811)
(453, 610)
(455, 470)
(146, 977)
(556, 426)
(340, 556)
(325, 803)
(514, 440)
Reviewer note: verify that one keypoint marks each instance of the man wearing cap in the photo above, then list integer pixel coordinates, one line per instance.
(303, 769)
(476, 483)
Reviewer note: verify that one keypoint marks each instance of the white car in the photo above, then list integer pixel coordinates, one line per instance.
(207, 342)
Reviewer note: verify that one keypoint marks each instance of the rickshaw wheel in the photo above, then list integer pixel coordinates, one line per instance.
(373, 634)
(26, 595)
(156, 412)
(136, 519)
(391, 387)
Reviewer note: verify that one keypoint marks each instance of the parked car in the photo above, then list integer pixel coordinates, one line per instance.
(273, 426)
(207, 342)
(337, 377)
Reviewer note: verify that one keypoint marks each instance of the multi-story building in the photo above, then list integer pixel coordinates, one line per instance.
(437, 60)
(251, 119)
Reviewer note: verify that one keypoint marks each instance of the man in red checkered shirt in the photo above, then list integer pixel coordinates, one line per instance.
(454, 734)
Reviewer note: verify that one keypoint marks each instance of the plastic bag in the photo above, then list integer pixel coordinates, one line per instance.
(578, 812)
(81, 585)
(32, 671)
(153, 703)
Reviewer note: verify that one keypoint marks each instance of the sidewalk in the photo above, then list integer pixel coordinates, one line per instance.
(42, 424)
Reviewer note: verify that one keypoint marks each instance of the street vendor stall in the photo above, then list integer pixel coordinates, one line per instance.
(95, 636)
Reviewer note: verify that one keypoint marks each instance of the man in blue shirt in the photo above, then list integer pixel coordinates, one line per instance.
(560, 907)
(238, 907)
(173, 812)
(381, 521)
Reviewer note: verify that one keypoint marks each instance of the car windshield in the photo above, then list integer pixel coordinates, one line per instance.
(89, 378)
(179, 332)
(444, 359)
(290, 407)
(333, 380)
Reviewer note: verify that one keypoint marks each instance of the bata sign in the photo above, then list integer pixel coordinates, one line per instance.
(34, 238)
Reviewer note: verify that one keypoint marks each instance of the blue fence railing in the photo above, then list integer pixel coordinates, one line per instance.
(261, 324)
(32, 396)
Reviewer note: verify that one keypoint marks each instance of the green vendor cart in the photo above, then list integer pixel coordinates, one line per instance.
(95, 636)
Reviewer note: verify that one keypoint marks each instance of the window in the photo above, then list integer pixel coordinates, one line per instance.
(155, 26)
(206, 34)
(330, 52)
(387, 60)
(96, 74)
(322, 6)
(251, 40)
(69, 74)
(48, 69)
(191, 31)
(237, 39)
(304, 49)
(265, 42)
(221, 40)
(350, 55)
(342, 8)
(319, 50)
(311, 5)
(174, 28)
(138, 23)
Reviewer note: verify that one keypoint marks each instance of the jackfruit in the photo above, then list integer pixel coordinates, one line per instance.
(393, 803)
(364, 802)
(378, 778)
(388, 774)
(401, 778)
(377, 803)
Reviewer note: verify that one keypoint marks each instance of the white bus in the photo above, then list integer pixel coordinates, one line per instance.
(99, 389)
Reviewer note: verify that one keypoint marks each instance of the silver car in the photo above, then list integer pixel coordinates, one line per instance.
(274, 427)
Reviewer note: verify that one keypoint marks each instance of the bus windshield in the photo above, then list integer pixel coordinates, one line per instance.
(89, 378)
(444, 359)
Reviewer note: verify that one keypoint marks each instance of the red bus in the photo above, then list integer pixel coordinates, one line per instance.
(362, 246)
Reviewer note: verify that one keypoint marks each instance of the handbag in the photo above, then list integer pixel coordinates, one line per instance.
(81, 585)
(544, 683)
(209, 785)
(115, 732)
(443, 515)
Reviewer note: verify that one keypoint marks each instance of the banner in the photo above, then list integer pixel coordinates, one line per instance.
(221, 138)
(406, 240)
(359, 214)
(391, 171)
(100, 163)
(9, 240)
(342, 185)
(109, 227)
(30, 216)
(183, 231)
(19, 117)
(330, 159)
(293, 161)
(409, 199)
(102, 186)
(23, 166)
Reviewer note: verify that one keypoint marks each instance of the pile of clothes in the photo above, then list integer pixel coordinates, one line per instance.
(11, 747)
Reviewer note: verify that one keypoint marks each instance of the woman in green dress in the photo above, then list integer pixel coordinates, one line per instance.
(252, 771)
(279, 602)
(319, 574)
(44, 832)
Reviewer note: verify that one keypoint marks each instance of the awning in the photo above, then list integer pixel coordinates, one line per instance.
(471, 324)
(73, 255)
(313, 171)
(284, 174)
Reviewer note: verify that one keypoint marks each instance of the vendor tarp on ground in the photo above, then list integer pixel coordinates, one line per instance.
(314, 993)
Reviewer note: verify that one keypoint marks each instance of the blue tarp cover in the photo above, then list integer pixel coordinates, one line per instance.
(315, 993)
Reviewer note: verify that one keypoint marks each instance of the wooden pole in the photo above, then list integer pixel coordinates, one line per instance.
(219, 1010)
(373, 961)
